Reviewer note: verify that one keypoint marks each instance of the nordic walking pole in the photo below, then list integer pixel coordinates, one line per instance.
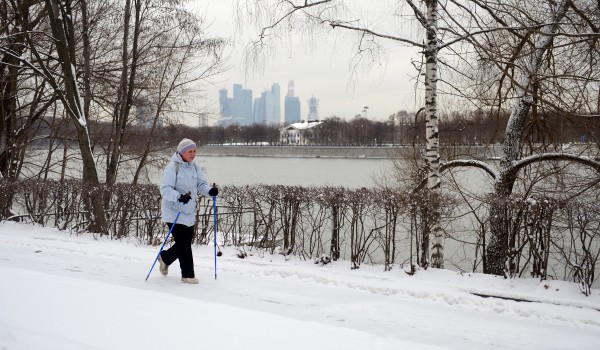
(163, 245)
(215, 231)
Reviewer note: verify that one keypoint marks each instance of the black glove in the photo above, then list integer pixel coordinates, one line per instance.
(184, 198)
(213, 191)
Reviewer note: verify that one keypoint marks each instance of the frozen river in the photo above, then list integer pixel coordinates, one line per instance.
(351, 173)
(249, 170)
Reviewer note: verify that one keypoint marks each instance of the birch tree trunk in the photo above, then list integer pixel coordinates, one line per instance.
(432, 156)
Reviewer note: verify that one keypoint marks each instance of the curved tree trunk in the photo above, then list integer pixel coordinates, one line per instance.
(497, 252)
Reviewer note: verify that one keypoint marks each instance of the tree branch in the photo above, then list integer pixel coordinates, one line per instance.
(290, 13)
(520, 164)
(470, 163)
(375, 34)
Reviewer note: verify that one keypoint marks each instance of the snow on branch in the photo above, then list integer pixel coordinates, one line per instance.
(470, 163)
(462, 163)
(556, 157)
(25, 62)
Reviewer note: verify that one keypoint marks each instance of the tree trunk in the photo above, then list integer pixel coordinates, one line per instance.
(114, 154)
(431, 132)
(60, 16)
(125, 90)
(497, 252)
(334, 249)
(9, 76)
(87, 74)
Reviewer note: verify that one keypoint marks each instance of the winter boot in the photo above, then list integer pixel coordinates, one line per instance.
(164, 268)
(191, 280)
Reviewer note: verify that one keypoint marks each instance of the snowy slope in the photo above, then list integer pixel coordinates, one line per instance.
(62, 291)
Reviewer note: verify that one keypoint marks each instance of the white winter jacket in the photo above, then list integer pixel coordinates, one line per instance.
(178, 180)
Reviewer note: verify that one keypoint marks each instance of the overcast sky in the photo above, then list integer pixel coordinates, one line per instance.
(323, 70)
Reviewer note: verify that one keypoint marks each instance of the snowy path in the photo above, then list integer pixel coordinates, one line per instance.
(73, 292)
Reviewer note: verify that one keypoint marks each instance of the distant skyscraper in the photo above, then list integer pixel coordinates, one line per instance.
(237, 109)
(313, 109)
(245, 112)
(291, 106)
(275, 117)
(242, 105)
(267, 108)
(236, 100)
(224, 104)
(259, 110)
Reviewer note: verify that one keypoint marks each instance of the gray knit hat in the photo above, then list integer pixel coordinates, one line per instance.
(184, 145)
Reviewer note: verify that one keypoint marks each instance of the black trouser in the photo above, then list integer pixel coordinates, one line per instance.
(182, 249)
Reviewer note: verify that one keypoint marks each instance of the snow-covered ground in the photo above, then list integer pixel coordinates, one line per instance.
(61, 291)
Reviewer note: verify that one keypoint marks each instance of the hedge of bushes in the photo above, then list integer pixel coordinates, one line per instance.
(550, 239)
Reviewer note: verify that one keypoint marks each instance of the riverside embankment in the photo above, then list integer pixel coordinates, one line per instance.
(300, 151)
(373, 152)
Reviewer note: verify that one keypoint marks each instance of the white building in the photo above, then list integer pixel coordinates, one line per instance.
(297, 133)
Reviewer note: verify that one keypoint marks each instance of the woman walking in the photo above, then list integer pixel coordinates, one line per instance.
(182, 181)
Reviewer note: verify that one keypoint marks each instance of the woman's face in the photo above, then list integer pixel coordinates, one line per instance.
(188, 155)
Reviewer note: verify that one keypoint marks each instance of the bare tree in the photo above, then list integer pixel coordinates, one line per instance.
(61, 21)
(525, 55)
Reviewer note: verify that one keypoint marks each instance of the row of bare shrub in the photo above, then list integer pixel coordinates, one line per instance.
(360, 225)
(375, 226)
(551, 238)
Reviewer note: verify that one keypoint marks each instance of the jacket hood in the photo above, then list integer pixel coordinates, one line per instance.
(176, 157)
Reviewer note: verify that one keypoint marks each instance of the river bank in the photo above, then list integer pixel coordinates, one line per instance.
(370, 152)
(301, 151)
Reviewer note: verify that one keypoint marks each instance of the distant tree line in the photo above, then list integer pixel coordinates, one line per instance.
(469, 129)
